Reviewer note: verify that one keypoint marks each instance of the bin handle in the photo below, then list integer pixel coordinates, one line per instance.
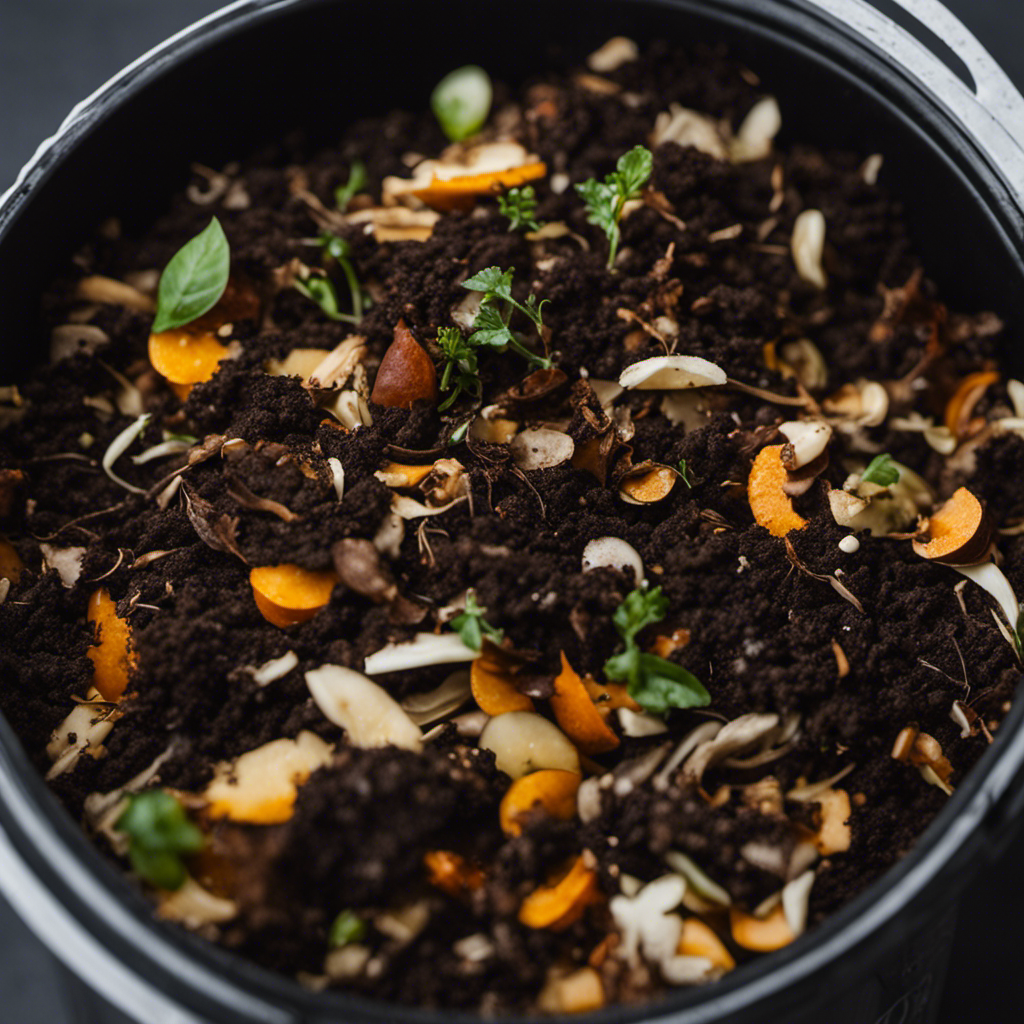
(993, 112)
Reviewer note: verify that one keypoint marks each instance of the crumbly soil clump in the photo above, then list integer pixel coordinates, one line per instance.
(847, 644)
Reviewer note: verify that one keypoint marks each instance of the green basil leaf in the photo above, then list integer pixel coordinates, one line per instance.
(194, 279)
(881, 471)
(160, 868)
(348, 927)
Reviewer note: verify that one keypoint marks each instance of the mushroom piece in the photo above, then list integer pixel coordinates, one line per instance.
(672, 373)
(808, 247)
(424, 649)
(369, 714)
(614, 553)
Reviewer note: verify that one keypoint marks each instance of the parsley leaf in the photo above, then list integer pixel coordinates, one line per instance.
(881, 471)
(356, 183)
(653, 682)
(473, 627)
(604, 200)
(491, 326)
(460, 373)
(520, 206)
(159, 833)
(194, 279)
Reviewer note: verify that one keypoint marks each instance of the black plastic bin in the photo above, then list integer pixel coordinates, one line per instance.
(845, 75)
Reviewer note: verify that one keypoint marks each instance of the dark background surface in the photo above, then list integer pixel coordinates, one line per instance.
(55, 52)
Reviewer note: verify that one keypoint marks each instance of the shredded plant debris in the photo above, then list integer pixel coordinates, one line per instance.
(549, 548)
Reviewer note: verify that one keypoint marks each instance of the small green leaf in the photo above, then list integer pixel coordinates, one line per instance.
(461, 101)
(472, 627)
(159, 833)
(664, 685)
(881, 471)
(348, 927)
(684, 474)
(604, 200)
(321, 290)
(639, 609)
(634, 169)
(194, 279)
(490, 329)
(493, 281)
(356, 183)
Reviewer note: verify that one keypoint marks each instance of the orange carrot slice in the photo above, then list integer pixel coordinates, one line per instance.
(287, 594)
(771, 506)
(576, 713)
(452, 873)
(460, 193)
(184, 356)
(560, 904)
(492, 687)
(699, 940)
(113, 656)
(970, 389)
(11, 565)
(552, 788)
(953, 527)
(761, 934)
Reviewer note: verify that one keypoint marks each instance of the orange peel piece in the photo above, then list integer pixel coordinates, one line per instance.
(577, 714)
(771, 506)
(552, 788)
(664, 645)
(699, 940)
(833, 835)
(560, 904)
(287, 594)
(11, 565)
(460, 193)
(113, 656)
(762, 935)
(493, 689)
(953, 527)
(396, 474)
(609, 696)
(970, 389)
(184, 356)
(452, 873)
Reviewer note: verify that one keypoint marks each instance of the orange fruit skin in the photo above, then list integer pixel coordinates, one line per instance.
(577, 714)
(460, 193)
(552, 788)
(560, 905)
(183, 356)
(287, 594)
(112, 656)
(771, 506)
(493, 689)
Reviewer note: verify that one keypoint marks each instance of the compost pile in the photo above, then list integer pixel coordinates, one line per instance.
(504, 594)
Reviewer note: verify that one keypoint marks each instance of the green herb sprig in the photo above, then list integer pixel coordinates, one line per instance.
(881, 471)
(491, 326)
(473, 627)
(355, 184)
(341, 252)
(159, 834)
(520, 206)
(684, 474)
(194, 279)
(347, 927)
(654, 683)
(461, 371)
(604, 200)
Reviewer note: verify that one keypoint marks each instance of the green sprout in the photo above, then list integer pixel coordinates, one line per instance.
(653, 682)
(473, 627)
(348, 927)
(159, 834)
(356, 183)
(520, 206)
(491, 326)
(461, 101)
(604, 200)
(460, 373)
(684, 474)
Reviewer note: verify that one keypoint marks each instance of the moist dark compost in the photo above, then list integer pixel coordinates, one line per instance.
(521, 559)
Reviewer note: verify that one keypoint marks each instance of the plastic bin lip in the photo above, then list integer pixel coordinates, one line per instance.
(74, 899)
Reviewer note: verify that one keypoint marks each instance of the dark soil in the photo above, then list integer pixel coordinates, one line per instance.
(764, 630)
